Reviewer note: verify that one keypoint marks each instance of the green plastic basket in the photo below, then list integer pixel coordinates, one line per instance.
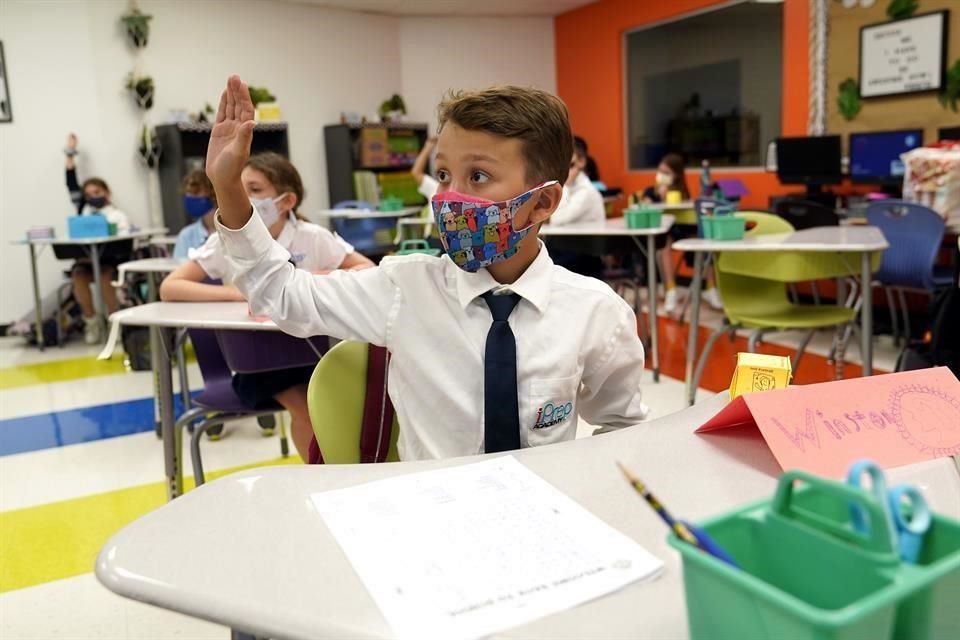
(726, 227)
(408, 247)
(391, 203)
(643, 217)
(807, 574)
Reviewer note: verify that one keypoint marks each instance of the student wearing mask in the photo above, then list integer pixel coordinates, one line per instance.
(581, 202)
(273, 183)
(200, 204)
(93, 198)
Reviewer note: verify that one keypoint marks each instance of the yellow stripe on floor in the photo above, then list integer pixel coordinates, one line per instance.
(62, 539)
(67, 369)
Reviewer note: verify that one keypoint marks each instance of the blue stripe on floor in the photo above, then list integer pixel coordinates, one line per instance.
(61, 428)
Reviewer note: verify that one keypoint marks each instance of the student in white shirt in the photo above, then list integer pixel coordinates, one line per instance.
(93, 198)
(581, 202)
(468, 373)
(274, 184)
(426, 184)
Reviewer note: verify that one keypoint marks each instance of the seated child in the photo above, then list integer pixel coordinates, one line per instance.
(581, 202)
(494, 348)
(426, 183)
(274, 184)
(93, 198)
(200, 203)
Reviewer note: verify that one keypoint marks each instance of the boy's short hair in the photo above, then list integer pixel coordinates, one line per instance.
(197, 180)
(539, 119)
(95, 182)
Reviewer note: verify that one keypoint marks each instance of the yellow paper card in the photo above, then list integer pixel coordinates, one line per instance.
(759, 372)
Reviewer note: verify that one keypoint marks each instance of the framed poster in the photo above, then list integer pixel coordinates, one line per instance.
(6, 111)
(903, 56)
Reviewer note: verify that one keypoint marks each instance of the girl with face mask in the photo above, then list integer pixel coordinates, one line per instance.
(93, 198)
(275, 190)
(200, 204)
(670, 176)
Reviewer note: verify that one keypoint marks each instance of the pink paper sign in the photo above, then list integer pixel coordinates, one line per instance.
(893, 419)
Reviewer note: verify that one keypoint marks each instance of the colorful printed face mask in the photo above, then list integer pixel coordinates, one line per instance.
(475, 232)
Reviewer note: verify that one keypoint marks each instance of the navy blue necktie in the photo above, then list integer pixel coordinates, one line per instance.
(501, 428)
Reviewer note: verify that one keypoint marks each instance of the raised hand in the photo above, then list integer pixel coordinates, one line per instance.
(232, 133)
(72, 142)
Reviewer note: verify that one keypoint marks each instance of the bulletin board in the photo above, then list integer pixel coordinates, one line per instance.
(909, 111)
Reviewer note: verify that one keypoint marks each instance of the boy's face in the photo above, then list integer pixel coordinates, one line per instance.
(492, 167)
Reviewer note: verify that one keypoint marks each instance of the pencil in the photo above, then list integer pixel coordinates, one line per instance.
(678, 527)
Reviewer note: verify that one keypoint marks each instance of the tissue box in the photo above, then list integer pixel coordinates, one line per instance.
(759, 372)
(90, 226)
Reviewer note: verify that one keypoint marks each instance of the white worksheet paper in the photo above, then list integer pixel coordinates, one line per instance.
(462, 552)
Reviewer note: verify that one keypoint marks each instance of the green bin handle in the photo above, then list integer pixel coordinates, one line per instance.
(414, 245)
(878, 539)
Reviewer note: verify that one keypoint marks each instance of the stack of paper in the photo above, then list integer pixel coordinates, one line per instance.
(478, 548)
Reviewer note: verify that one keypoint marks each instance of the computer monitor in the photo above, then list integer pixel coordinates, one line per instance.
(875, 156)
(813, 161)
(949, 133)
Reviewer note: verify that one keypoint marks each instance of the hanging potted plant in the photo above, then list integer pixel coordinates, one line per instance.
(142, 89)
(391, 110)
(137, 26)
(149, 146)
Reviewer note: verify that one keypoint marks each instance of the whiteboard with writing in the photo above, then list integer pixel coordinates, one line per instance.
(903, 56)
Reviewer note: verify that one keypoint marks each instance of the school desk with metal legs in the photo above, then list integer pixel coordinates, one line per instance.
(853, 239)
(166, 319)
(306, 588)
(92, 247)
(614, 228)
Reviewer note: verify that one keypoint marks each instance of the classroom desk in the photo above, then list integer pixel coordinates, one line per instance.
(846, 239)
(617, 227)
(301, 586)
(326, 216)
(165, 318)
(90, 246)
(164, 242)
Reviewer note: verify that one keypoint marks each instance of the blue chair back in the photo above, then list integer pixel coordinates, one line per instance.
(354, 204)
(213, 367)
(914, 233)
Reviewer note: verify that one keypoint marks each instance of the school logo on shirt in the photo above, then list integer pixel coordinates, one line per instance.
(552, 414)
(297, 257)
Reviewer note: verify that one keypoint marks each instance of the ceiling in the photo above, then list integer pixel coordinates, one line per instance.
(452, 7)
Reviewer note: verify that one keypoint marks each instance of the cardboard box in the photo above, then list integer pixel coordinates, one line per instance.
(374, 151)
(759, 372)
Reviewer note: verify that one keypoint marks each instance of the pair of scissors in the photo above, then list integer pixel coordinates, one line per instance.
(904, 508)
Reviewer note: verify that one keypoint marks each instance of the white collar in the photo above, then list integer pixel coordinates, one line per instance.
(533, 285)
(289, 231)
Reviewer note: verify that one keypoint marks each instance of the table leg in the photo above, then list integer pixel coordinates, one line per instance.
(182, 370)
(153, 296)
(172, 469)
(37, 310)
(652, 304)
(866, 315)
(694, 325)
(98, 304)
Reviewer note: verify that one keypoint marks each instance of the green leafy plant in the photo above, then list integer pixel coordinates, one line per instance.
(142, 88)
(261, 94)
(848, 99)
(394, 103)
(950, 95)
(149, 146)
(138, 27)
(900, 9)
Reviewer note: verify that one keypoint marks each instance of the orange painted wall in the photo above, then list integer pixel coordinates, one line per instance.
(589, 54)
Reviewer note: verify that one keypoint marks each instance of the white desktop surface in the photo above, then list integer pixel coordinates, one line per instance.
(193, 315)
(817, 239)
(610, 227)
(150, 265)
(133, 235)
(357, 214)
(261, 560)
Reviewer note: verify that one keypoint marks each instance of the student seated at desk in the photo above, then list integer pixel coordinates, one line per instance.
(671, 176)
(274, 184)
(426, 183)
(581, 202)
(493, 347)
(200, 203)
(93, 198)
(590, 166)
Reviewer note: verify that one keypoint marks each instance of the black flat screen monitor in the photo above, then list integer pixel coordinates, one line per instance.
(813, 161)
(875, 156)
(949, 133)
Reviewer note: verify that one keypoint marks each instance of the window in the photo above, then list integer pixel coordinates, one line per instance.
(706, 86)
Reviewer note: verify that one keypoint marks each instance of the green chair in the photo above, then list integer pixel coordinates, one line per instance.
(353, 419)
(754, 291)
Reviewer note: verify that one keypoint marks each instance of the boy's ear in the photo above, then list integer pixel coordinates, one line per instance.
(546, 202)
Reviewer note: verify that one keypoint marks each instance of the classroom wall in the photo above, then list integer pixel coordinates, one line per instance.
(442, 53)
(67, 60)
(590, 79)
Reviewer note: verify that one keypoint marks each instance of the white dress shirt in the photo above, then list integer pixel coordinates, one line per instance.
(577, 347)
(581, 203)
(112, 214)
(311, 247)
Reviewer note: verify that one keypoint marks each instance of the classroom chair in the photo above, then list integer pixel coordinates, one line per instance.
(353, 418)
(915, 233)
(754, 291)
(220, 354)
(804, 214)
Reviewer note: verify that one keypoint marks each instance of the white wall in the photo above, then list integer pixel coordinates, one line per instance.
(67, 60)
(439, 54)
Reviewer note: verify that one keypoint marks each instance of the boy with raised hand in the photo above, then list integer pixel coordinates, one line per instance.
(493, 347)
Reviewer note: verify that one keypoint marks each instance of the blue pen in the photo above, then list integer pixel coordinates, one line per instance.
(710, 545)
